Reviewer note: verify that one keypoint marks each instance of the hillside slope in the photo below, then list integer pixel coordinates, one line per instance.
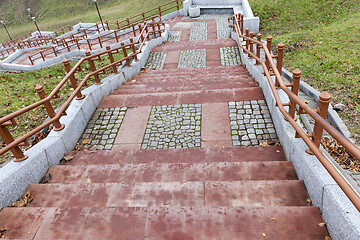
(53, 15)
(321, 39)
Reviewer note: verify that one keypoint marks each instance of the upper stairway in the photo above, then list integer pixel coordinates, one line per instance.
(196, 100)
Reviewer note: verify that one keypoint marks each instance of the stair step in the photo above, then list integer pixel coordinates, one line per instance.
(150, 194)
(152, 88)
(173, 172)
(191, 155)
(211, 78)
(201, 44)
(187, 97)
(201, 223)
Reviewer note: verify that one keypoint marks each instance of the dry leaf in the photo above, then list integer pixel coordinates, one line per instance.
(277, 151)
(86, 141)
(24, 200)
(327, 238)
(88, 181)
(322, 224)
(306, 101)
(68, 158)
(34, 118)
(264, 235)
(46, 179)
(274, 219)
(308, 202)
(2, 230)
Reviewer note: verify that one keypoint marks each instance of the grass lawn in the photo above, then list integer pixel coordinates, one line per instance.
(322, 40)
(53, 15)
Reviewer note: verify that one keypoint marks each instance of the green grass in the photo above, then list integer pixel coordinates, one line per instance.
(53, 15)
(322, 40)
(17, 91)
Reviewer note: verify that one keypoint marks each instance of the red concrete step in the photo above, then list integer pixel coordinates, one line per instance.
(173, 172)
(241, 69)
(157, 194)
(168, 98)
(190, 45)
(177, 87)
(165, 223)
(191, 155)
(181, 80)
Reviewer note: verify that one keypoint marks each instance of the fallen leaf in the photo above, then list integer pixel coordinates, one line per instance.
(120, 161)
(2, 230)
(264, 235)
(322, 224)
(68, 158)
(46, 179)
(86, 141)
(24, 200)
(274, 219)
(306, 101)
(277, 151)
(88, 181)
(34, 118)
(327, 238)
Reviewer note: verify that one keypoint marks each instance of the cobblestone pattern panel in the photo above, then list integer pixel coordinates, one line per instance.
(221, 23)
(156, 61)
(175, 36)
(199, 31)
(230, 56)
(192, 58)
(173, 126)
(251, 123)
(102, 129)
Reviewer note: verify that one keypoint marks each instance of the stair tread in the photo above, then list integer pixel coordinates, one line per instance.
(193, 155)
(163, 223)
(173, 172)
(184, 97)
(208, 193)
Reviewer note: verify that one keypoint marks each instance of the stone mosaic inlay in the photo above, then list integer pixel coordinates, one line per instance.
(156, 61)
(230, 56)
(251, 123)
(175, 36)
(173, 126)
(102, 129)
(192, 58)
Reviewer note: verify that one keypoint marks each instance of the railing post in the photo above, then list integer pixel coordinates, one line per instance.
(92, 67)
(159, 7)
(280, 57)
(134, 31)
(133, 49)
(251, 44)
(140, 32)
(42, 55)
(143, 15)
(7, 138)
(49, 109)
(117, 24)
(258, 47)
(295, 89)
(268, 44)
(107, 25)
(54, 50)
(67, 46)
(77, 43)
(116, 36)
(32, 62)
(324, 101)
(177, 5)
(89, 44)
(111, 58)
(73, 80)
(242, 24)
(153, 28)
(125, 54)
(247, 41)
(100, 42)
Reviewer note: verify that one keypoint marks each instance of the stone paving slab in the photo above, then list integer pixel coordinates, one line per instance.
(102, 128)
(173, 126)
(251, 123)
(215, 131)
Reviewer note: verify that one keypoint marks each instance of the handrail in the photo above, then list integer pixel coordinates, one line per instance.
(15, 143)
(238, 25)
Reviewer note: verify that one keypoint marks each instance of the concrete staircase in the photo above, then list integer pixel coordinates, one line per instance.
(229, 193)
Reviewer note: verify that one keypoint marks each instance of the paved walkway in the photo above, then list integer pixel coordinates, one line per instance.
(177, 155)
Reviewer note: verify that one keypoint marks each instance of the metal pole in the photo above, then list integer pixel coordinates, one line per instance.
(33, 18)
(2, 22)
(99, 14)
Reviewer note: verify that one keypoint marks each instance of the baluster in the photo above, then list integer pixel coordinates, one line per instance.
(73, 80)
(92, 67)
